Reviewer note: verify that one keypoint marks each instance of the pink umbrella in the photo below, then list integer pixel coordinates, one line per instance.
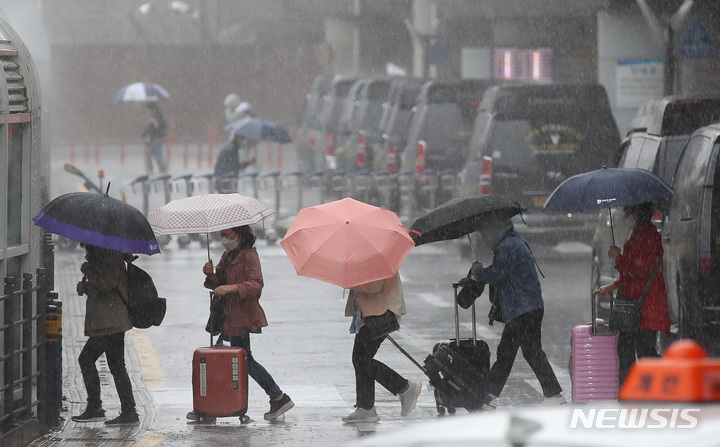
(347, 243)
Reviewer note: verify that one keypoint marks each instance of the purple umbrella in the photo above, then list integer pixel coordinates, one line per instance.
(100, 220)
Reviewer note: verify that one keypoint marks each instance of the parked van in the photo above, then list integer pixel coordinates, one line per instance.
(361, 125)
(443, 121)
(659, 132)
(691, 238)
(394, 123)
(308, 133)
(527, 139)
(332, 107)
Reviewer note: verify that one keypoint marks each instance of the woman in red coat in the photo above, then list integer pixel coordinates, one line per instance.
(635, 265)
(237, 283)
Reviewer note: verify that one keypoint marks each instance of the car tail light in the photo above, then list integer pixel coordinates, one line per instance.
(705, 265)
(391, 160)
(360, 158)
(312, 142)
(330, 151)
(657, 219)
(486, 176)
(420, 157)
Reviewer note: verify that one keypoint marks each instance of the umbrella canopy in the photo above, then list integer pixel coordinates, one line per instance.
(140, 92)
(347, 243)
(259, 129)
(207, 213)
(608, 188)
(99, 220)
(461, 216)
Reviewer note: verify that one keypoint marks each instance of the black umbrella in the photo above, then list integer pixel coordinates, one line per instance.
(608, 188)
(461, 216)
(100, 220)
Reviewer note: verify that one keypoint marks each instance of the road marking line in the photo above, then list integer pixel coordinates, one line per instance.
(149, 361)
(434, 300)
(150, 441)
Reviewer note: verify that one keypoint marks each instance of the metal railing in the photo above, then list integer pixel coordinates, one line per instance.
(23, 355)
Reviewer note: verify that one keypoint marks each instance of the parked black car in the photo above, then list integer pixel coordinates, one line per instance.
(659, 132)
(308, 134)
(527, 139)
(691, 238)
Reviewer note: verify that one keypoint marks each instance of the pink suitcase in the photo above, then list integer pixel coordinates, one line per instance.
(220, 382)
(595, 364)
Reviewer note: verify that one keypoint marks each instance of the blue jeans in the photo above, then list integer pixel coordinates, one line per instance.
(258, 373)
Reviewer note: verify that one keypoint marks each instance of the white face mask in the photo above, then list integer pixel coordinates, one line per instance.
(229, 244)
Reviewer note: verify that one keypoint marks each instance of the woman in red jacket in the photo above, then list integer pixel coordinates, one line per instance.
(237, 282)
(635, 265)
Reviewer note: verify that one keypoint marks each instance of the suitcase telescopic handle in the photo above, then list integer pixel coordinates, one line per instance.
(457, 317)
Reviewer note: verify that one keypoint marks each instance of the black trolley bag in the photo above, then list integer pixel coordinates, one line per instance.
(457, 370)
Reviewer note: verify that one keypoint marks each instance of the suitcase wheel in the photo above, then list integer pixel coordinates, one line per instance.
(440, 410)
(206, 419)
(451, 410)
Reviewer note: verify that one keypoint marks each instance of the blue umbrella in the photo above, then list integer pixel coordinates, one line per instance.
(259, 129)
(608, 188)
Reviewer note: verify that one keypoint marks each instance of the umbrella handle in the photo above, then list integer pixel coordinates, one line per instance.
(207, 239)
(472, 247)
(612, 230)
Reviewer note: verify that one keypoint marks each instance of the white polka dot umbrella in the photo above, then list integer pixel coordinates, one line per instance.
(207, 213)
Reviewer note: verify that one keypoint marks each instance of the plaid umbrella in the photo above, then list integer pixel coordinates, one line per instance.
(207, 213)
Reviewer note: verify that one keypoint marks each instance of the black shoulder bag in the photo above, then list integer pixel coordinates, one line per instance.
(625, 315)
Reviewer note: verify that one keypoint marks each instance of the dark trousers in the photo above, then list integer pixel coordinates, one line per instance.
(523, 332)
(368, 370)
(113, 346)
(255, 370)
(636, 344)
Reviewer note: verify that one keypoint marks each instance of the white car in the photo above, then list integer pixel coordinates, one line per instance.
(667, 402)
(607, 424)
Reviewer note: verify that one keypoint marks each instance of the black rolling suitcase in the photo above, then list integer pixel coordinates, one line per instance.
(457, 371)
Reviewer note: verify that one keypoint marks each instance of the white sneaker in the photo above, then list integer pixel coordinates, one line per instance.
(361, 415)
(554, 400)
(490, 403)
(409, 397)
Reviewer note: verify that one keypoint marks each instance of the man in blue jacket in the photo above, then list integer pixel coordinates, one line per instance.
(515, 288)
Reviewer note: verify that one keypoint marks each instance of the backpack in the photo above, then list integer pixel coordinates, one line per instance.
(145, 307)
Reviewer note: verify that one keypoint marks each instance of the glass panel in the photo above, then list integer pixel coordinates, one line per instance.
(14, 184)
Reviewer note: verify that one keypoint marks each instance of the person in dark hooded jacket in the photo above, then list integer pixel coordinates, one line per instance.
(515, 286)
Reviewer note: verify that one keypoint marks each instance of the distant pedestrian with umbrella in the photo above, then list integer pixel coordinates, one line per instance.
(636, 263)
(154, 139)
(154, 133)
(237, 283)
(228, 160)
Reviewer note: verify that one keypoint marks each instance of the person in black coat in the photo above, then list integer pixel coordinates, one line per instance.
(228, 162)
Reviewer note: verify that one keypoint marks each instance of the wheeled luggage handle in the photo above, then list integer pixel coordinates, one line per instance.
(457, 317)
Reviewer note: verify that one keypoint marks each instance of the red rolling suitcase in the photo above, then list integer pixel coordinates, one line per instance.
(594, 366)
(220, 383)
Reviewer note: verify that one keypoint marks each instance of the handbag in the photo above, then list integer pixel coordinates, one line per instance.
(381, 325)
(625, 315)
